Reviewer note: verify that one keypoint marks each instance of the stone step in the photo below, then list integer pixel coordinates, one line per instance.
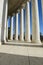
(21, 55)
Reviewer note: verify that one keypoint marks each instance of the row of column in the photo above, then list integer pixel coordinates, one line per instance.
(27, 34)
(35, 22)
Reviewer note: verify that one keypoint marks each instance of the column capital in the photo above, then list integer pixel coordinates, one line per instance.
(18, 11)
(13, 14)
(23, 5)
(28, 0)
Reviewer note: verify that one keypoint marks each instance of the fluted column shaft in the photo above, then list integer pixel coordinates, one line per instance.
(3, 19)
(11, 30)
(16, 38)
(27, 34)
(35, 22)
(22, 25)
(1, 16)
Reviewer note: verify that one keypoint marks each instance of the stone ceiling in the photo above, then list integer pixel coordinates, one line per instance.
(13, 5)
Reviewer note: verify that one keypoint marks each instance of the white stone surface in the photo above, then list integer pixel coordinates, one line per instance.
(16, 38)
(27, 34)
(22, 50)
(22, 26)
(35, 22)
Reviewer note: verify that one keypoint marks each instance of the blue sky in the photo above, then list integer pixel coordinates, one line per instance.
(40, 16)
(40, 19)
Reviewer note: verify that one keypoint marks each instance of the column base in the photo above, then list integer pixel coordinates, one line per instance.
(11, 39)
(7, 39)
(3, 42)
(0, 43)
(16, 39)
(36, 41)
(21, 39)
(28, 40)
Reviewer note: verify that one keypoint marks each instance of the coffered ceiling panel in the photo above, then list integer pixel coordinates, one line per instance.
(13, 5)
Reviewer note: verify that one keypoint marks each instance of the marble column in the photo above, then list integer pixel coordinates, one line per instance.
(35, 22)
(16, 37)
(11, 29)
(3, 19)
(1, 16)
(5, 26)
(7, 31)
(14, 26)
(27, 31)
(22, 25)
